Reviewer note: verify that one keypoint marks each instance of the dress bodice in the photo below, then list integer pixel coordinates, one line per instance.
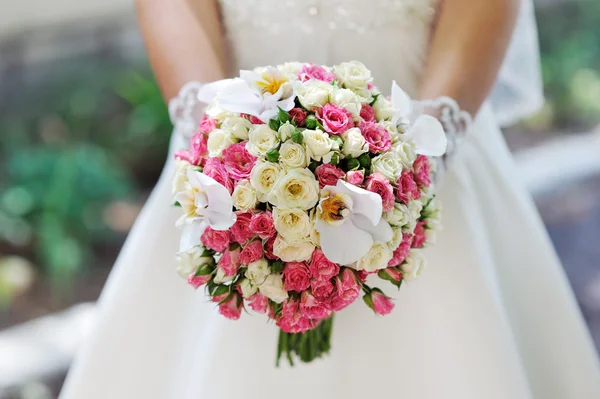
(389, 36)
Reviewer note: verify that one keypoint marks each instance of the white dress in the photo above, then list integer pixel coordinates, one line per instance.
(492, 317)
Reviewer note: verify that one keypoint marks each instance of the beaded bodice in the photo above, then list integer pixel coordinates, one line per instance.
(389, 36)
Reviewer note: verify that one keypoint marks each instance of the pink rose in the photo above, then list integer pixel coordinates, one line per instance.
(312, 308)
(328, 175)
(262, 225)
(219, 298)
(355, 177)
(207, 125)
(376, 136)
(217, 240)
(382, 304)
(238, 161)
(367, 113)
(312, 71)
(232, 307)
(240, 230)
(215, 168)
(230, 262)
(197, 281)
(252, 252)
(322, 289)
(362, 275)
(296, 276)
(292, 319)
(258, 303)
(402, 251)
(420, 235)
(197, 152)
(298, 116)
(392, 273)
(422, 169)
(378, 184)
(347, 290)
(406, 188)
(335, 120)
(269, 248)
(321, 267)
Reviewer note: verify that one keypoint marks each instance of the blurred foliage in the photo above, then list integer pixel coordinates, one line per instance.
(68, 151)
(570, 47)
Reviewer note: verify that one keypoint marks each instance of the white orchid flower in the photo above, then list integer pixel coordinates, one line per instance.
(253, 93)
(205, 202)
(349, 222)
(426, 131)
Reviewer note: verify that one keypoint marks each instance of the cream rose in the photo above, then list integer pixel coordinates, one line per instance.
(218, 141)
(216, 112)
(299, 251)
(261, 139)
(244, 196)
(248, 289)
(313, 93)
(353, 74)
(285, 131)
(258, 271)
(317, 143)
(354, 143)
(290, 69)
(272, 288)
(237, 126)
(396, 238)
(263, 178)
(181, 170)
(298, 188)
(413, 265)
(348, 100)
(377, 258)
(389, 165)
(188, 261)
(414, 210)
(384, 109)
(292, 224)
(293, 155)
(405, 151)
(221, 278)
(398, 215)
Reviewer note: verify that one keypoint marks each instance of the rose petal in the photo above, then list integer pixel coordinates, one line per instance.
(343, 244)
(429, 136)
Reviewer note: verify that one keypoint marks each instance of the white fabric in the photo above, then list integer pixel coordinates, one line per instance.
(492, 317)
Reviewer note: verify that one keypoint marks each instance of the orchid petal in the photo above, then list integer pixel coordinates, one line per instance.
(401, 102)
(343, 244)
(209, 91)
(288, 103)
(238, 96)
(363, 202)
(381, 232)
(219, 212)
(429, 136)
(190, 235)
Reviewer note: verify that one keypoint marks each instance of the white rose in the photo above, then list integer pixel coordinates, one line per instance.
(292, 224)
(389, 165)
(348, 100)
(317, 143)
(248, 289)
(272, 288)
(244, 196)
(313, 93)
(384, 109)
(298, 188)
(263, 177)
(216, 112)
(398, 215)
(189, 261)
(406, 152)
(285, 131)
(293, 155)
(396, 238)
(237, 126)
(315, 236)
(260, 140)
(221, 278)
(290, 69)
(353, 74)
(299, 251)
(414, 210)
(364, 95)
(377, 258)
(354, 143)
(219, 141)
(181, 170)
(413, 265)
(258, 271)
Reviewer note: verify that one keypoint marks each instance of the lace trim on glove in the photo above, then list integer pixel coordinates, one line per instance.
(185, 110)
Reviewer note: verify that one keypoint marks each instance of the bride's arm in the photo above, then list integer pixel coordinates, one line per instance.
(467, 49)
(182, 45)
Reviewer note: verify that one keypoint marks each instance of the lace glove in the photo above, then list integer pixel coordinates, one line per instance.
(457, 124)
(186, 110)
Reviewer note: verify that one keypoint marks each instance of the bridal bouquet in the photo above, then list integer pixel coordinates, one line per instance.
(300, 182)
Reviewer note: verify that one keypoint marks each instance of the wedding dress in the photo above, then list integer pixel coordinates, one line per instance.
(492, 317)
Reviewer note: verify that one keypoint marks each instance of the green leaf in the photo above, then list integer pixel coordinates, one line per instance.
(220, 290)
(335, 159)
(283, 116)
(273, 155)
(365, 161)
(274, 124)
(338, 140)
(375, 97)
(352, 164)
(277, 267)
(176, 203)
(368, 300)
(297, 137)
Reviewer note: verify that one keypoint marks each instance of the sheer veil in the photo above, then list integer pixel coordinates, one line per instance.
(518, 92)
